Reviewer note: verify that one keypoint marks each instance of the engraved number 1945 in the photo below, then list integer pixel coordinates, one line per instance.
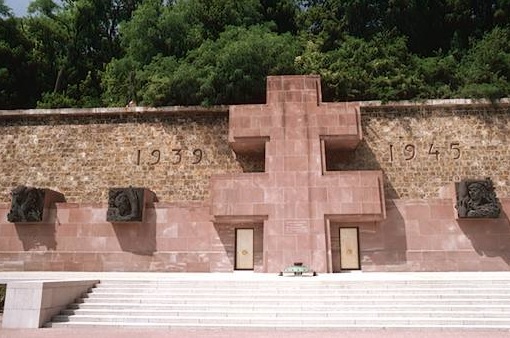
(409, 151)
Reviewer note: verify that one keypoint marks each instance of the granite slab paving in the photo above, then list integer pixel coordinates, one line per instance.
(217, 333)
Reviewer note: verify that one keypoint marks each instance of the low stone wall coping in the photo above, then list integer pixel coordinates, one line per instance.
(434, 103)
(170, 110)
(74, 112)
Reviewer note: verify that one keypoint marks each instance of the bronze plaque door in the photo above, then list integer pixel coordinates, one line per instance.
(244, 249)
(349, 249)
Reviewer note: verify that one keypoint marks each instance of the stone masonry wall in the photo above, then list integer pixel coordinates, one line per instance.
(422, 149)
(83, 156)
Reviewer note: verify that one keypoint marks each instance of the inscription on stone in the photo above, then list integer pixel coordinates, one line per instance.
(176, 156)
(409, 151)
(477, 199)
(125, 205)
(27, 205)
(296, 227)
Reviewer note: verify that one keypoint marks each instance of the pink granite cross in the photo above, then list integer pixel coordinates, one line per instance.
(296, 198)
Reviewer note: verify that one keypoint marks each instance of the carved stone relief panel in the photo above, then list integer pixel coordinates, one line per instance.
(27, 205)
(477, 199)
(125, 205)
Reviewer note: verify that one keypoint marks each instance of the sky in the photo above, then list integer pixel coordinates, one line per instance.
(19, 7)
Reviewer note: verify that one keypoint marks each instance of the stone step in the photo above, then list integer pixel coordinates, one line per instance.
(286, 291)
(304, 286)
(310, 283)
(302, 307)
(293, 301)
(276, 312)
(277, 326)
(291, 321)
(297, 295)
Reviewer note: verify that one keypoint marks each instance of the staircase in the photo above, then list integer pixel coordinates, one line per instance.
(292, 303)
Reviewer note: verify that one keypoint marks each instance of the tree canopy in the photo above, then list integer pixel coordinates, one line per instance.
(85, 53)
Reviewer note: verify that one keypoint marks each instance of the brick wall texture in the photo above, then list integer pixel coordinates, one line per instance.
(82, 157)
(420, 150)
(423, 149)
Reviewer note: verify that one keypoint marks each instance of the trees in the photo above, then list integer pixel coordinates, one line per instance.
(379, 69)
(199, 52)
(232, 69)
(5, 11)
(74, 41)
(228, 70)
(156, 52)
(485, 70)
(16, 67)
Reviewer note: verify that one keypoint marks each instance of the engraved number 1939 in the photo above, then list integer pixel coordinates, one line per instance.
(177, 156)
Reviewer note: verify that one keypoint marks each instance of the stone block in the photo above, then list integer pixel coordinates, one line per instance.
(31, 304)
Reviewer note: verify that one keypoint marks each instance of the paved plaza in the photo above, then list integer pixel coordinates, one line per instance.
(182, 333)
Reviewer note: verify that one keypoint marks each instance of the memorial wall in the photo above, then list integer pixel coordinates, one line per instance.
(394, 183)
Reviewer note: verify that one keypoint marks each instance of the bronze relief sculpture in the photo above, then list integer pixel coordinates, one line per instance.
(27, 205)
(477, 199)
(125, 205)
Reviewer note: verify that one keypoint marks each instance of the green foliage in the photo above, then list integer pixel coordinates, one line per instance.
(74, 41)
(119, 82)
(158, 27)
(85, 53)
(211, 17)
(439, 76)
(486, 68)
(283, 13)
(157, 77)
(5, 11)
(141, 36)
(381, 68)
(56, 100)
(231, 69)
(17, 89)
